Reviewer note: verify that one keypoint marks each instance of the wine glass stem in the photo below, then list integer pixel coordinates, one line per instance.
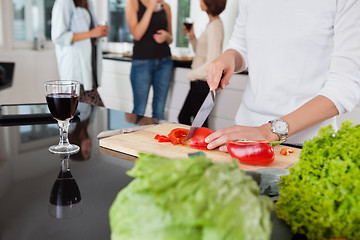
(64, 129)
(65, 163)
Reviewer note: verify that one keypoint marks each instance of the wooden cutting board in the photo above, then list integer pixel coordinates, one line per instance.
(143, 141)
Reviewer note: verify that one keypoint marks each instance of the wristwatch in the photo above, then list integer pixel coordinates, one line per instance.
(280, 128)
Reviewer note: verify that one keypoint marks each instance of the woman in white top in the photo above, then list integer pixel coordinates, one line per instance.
(207, 48)
(303, 59)
(75, 34)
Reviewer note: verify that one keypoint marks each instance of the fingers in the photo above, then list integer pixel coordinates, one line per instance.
(214, 72)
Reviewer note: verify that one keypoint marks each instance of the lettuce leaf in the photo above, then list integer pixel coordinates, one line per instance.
(321, 196)
(191, 198)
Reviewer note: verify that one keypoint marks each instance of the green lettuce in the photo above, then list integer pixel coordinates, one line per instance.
(321, 196)
(191, 198)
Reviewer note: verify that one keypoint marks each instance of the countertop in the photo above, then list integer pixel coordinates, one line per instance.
(28, 172)
(178, 62)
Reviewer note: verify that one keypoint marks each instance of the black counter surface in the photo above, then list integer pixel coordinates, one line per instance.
(28, 172)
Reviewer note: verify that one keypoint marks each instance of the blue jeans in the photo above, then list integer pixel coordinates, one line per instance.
(151, 72)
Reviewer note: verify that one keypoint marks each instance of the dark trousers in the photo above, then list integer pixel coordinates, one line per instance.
(195, 98)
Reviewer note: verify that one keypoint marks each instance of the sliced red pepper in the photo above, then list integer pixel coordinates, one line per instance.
(161, 138)
(286, 151)
(253, 153)
(164, 139)
(178, 135)
(198, 139)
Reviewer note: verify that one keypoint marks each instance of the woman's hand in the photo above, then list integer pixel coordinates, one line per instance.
(190, 32)
(161, 36)
(222, 68)
(99, 31)
(153, 5)
(237, 133)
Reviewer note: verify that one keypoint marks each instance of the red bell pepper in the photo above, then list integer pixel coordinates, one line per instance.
(178, 135)
(198, 139)
(253, 153)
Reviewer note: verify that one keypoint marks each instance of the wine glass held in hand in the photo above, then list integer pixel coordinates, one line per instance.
(188, 23)
(62, 98)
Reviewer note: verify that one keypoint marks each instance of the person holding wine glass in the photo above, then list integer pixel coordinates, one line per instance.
(76, 36)
(151, 64)
(207, 47)
(188, 23)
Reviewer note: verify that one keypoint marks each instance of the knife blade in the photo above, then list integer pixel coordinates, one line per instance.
(110, 133)
(203, 113)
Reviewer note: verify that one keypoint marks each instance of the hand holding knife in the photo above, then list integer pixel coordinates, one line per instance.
(204, 111)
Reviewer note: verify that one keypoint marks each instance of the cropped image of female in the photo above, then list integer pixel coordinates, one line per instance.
(149, 22)
(303, 60)
(75, 33)
(206, 48)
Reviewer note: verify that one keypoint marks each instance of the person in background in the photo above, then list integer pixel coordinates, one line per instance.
(149, 22)
(75, 33)
(206, 48)
(79, 134)
(303, 59)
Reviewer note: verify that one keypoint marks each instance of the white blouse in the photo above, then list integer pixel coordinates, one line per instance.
(295, 50)
(74, 59)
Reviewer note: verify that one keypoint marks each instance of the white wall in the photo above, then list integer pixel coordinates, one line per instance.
(32, 69)
(228, 16)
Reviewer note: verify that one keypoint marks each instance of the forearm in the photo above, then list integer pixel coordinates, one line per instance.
(81, 36)
(311, 113)
(169, 39)
(141, 27)
(239, 60)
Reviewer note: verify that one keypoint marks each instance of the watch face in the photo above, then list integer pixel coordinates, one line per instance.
(280, 127)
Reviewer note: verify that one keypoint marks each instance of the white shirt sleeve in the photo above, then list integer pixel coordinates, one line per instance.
(237, 40)
(342, 85)
(60, 22)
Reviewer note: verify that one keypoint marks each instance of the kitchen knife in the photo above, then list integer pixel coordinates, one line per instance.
(203, 113)
(110, 133)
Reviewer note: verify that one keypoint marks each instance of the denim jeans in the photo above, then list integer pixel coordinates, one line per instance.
(151, 72)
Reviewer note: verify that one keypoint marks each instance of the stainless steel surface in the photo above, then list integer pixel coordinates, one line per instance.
(203, 113)
(110, 133)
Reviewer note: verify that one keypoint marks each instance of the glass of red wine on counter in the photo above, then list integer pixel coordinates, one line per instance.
(188, 23)
(62, 98)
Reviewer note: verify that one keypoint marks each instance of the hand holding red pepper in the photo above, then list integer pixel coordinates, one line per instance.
(236, 133)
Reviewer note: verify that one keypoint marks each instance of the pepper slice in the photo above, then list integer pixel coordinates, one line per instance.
(286, 151)
(253, 153)
(161, 138)
(178, 135)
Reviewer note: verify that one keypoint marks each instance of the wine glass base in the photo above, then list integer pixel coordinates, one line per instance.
(64, 149)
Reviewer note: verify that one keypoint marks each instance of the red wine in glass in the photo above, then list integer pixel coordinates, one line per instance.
(188, 25)
(62, 105)
(62, 97)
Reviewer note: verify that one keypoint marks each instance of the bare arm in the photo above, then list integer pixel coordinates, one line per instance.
(137, 28)
(311, 113)
(99, 31)
(318, 109)
(163, 35)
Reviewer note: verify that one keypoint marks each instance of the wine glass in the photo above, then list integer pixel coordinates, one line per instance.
(62, 98)
(188, 23)
(65, 197)
(159, 5)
